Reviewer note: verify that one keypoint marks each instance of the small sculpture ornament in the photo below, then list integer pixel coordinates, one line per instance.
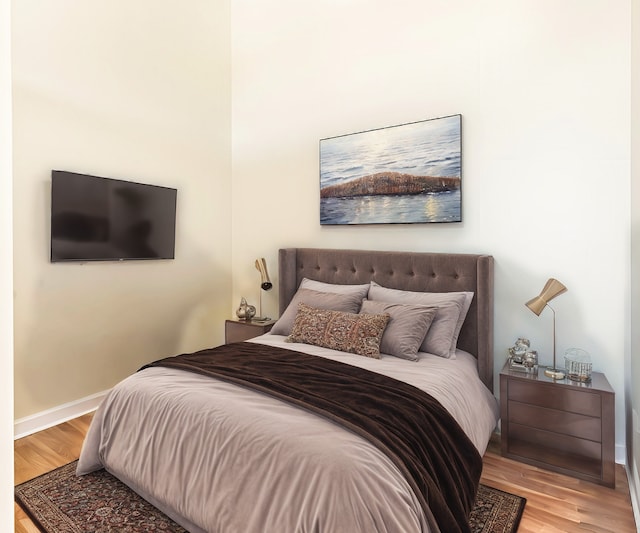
(245, 311)
(522, 358)
(519, 349)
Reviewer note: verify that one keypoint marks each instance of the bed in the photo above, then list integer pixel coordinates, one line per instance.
(218, 452)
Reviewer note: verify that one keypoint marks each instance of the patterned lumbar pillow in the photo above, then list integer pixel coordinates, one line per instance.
(348, 332)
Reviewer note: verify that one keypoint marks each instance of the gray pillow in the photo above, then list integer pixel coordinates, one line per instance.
(320, 300)
(442, 337)
(321, 286)
(406, 329)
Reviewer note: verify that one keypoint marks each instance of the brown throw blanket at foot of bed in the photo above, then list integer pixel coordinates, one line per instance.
(411, 427)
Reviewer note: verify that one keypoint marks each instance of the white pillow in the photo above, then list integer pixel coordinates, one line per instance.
(442, 337)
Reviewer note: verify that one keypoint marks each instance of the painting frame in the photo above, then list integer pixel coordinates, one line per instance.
(409, 173)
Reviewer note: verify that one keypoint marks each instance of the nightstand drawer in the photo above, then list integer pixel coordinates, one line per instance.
(574, 401)
(571, 424)
(551, 449)
(543, 440)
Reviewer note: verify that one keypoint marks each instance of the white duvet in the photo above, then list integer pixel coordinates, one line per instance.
(221, 458)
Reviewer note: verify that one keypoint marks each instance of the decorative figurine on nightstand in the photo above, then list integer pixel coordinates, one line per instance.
(522, 358)
(245, 311)
(531, 361)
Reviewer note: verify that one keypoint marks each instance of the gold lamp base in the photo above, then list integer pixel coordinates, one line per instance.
(554, 373)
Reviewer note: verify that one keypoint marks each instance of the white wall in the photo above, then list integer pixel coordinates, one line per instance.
(138, 91)
(6, 289)
(544, 91)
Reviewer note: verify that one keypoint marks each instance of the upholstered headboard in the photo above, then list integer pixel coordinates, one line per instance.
(413, 271)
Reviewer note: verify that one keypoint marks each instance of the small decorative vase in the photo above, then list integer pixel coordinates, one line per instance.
(245, 311)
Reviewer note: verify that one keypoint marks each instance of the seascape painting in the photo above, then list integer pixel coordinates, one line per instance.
(407, 174)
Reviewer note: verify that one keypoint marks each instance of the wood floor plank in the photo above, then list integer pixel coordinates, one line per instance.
(559, 503)
(555, 503)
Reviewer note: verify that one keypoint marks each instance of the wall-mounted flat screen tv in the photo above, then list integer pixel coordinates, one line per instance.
(104, 219)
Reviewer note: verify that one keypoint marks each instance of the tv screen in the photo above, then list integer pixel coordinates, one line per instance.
(104, 219)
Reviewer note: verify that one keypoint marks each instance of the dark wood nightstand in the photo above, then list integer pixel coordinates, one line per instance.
(564, 426)
(241, 330)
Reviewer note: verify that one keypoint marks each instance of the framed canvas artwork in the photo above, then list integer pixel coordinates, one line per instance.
(406, 174)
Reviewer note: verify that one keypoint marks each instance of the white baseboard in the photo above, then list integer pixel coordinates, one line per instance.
(621, 454)
(56, 415)
(634, 491)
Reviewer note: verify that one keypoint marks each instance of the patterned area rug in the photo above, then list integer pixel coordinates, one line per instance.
(496, 511)
(61, 502)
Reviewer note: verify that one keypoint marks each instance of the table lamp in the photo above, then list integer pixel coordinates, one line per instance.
(551, 289)
(265, 284)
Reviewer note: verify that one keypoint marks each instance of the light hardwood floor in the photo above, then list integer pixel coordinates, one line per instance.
(44, 451)
(555, 503)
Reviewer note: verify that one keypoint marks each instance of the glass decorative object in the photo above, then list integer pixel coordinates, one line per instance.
(578, 365)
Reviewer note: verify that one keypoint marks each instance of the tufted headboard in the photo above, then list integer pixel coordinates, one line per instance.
(412, 271)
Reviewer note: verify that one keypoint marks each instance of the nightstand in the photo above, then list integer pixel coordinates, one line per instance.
(564, 426)
(241, 330)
